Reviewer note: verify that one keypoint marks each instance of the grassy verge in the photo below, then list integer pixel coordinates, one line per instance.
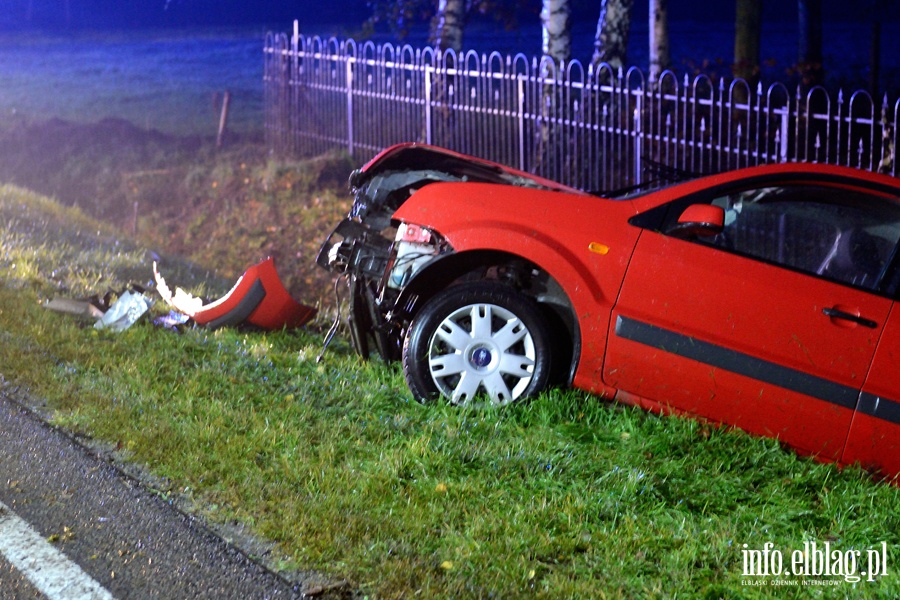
(565, 497)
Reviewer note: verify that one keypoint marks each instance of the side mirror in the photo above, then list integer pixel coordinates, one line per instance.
(699, 220)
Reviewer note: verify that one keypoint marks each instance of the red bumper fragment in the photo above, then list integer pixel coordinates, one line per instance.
(258, 298)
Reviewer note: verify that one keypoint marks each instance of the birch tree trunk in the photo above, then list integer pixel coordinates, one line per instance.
(659, 38)
(450, 18)
(556, 18)
(447, 34)
(613, 26)
(747, 31)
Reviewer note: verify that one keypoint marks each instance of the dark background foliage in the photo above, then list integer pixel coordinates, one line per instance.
(105, 14)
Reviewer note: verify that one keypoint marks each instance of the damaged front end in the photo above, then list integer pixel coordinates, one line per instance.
(378, 256)
(377, 259)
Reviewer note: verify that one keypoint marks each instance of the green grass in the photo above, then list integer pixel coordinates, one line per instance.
(564, 497)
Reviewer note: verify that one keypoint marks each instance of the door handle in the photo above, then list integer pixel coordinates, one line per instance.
(836, 313)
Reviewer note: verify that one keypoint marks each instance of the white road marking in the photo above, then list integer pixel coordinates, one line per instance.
(46, 568)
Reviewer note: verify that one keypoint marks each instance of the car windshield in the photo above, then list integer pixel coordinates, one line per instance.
(658, 176)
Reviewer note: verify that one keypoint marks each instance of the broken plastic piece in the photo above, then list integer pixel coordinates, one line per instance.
(124, 312)
(258, 299)
(172, 320)
(79, 308)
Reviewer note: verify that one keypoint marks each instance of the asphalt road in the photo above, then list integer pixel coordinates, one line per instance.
(128, 540)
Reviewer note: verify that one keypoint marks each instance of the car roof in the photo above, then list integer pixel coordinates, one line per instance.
(774, 174)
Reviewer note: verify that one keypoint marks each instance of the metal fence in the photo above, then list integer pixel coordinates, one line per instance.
(594, 128)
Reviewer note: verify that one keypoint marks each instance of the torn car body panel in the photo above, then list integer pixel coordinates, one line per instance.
(258, 299)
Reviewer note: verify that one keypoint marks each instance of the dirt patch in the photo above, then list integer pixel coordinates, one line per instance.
(83, 164)
(223, 208)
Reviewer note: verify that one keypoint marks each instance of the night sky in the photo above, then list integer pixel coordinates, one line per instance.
(130, 14)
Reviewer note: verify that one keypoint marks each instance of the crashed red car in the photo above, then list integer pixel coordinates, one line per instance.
(763, 298)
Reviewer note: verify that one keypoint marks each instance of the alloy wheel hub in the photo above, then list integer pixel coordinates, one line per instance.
(481, 357)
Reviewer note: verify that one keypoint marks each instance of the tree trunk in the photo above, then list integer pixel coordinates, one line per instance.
(450, 18)
(876, 16)
(659, 38)
(747, 31)
(613, 26)
(556, 17)
(809, 13)
(447, 34)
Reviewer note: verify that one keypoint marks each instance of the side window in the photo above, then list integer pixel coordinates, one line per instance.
(838, 233)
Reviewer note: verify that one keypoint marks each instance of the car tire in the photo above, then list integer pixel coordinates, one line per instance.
(477, 341)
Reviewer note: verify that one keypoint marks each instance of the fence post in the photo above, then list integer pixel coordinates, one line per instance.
(520, 91)
(349, 80)
(292, 127)
(428, 104)
(638, 108)
(785, 135)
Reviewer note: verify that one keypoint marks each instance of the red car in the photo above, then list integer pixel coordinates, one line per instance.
(763, 298)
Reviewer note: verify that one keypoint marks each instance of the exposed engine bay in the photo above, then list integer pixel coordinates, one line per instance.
(379, 257)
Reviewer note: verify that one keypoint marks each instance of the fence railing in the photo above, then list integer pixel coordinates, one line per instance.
(594, 128)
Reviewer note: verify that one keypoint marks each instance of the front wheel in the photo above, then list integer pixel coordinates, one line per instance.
(476, 339)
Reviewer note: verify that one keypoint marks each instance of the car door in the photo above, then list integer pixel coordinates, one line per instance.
(874, 440)
(770, 325)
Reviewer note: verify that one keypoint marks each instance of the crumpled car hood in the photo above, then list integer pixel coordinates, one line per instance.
(383, 184)
(423, 157)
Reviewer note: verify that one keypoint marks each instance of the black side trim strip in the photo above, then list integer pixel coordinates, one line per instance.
(245, 306)
(880, 408)
(736, 362)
